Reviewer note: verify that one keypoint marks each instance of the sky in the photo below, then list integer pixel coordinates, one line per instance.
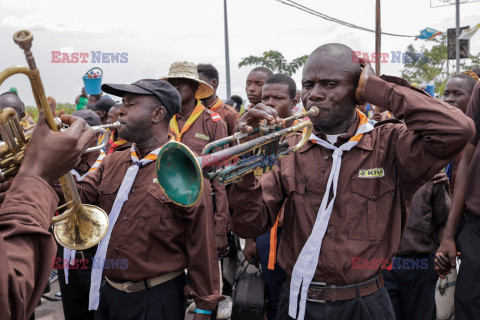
(155, 34)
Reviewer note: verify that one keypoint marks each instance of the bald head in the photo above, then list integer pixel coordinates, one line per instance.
(329, 80)
(336, 56)
(11, 100)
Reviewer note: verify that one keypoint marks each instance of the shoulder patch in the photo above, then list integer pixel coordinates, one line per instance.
(216, 117)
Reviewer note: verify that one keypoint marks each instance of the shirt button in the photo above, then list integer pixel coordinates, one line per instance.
(327, 232)
(124, 218)
(374, 197)
(325, 158)
(163, 198)
(133, 189)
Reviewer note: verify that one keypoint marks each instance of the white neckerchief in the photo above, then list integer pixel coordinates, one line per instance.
(307, 262)
(69, 255)
(122, 196)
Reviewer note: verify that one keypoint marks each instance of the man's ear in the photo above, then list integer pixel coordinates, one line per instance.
(294, 103)
(214, 83)
(159, 114)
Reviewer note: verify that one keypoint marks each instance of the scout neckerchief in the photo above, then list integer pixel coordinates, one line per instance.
(69, 255)
(306, 264)
(216, 105)
(174, 125)
(115, 144)
(122, 196)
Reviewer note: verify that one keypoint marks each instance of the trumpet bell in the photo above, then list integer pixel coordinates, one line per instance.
(179, 174)
(83, 229)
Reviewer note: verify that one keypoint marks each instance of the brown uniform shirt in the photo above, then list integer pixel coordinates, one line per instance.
(229, 115)
(370, 208)
(472, 194)
(154, 235)
(27, 249)
(428, 213)
(203, 131)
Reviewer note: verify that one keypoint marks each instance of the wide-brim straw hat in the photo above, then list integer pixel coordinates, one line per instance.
(188, 70)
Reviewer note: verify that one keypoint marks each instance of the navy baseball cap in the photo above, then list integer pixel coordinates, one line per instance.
(90, 117)
(104, 104)
(163, 90)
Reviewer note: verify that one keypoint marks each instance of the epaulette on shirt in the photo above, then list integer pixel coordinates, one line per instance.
(215, 116)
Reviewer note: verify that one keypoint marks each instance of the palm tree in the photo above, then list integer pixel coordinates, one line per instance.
(275, 61)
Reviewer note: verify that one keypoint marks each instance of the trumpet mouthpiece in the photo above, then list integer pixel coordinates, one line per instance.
(314, 111)
(24, 39)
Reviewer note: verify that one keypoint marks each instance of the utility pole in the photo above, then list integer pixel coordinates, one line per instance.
(378, 38)
(227, 57)
(457, 34)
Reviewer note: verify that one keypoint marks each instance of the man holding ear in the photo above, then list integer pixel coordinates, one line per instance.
(344, 191)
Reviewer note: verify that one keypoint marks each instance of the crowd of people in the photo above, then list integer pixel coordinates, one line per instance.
(359, 223)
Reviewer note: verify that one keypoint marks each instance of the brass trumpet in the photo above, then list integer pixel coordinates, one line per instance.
(180, 172)
(80, 226)
(15, 139)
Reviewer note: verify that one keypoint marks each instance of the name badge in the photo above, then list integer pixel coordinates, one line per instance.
(202, 136)
(371, 173)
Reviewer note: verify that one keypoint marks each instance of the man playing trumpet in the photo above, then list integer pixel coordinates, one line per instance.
(150, 240)
(345, 188)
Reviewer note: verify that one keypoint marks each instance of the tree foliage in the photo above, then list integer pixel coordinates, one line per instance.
(67, 107)
(275, 61)
(431, 64)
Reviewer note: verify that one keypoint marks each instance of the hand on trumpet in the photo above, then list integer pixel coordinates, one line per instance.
(51, 155)
(53, 106)
(253, 118)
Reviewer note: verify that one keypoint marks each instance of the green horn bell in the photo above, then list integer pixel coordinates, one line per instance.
(179, 174)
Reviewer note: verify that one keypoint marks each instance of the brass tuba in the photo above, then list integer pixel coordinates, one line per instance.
(180, 172)
(80, 226)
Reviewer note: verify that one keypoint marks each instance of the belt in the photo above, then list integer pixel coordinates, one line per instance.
(320, 292)
(137, 286)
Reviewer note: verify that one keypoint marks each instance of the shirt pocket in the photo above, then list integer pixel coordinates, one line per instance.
(157, 216)
(107, 192)
(370, 207)
(295, 190)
